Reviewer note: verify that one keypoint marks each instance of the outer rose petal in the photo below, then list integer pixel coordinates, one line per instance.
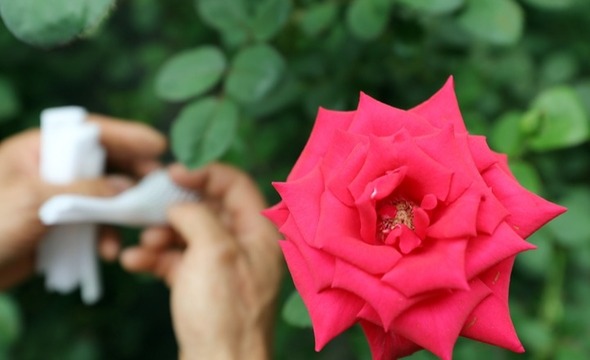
(484, 157)
(528, 211)
(278, 214)
(375, 118)
(442, 108)
(490, 322)
(435, 324)
(302, 198)
(331, 311)
(326, 124)
(485, 251)
(321, 263)
(387, 345)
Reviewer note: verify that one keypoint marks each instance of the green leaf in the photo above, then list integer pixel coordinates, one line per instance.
(367, 19)
(498, 22)
(526, 175)
(253, 73)
(433, 7)
(506, 136)
(571, 229)
(561, 120)
(48, 23)
(269, 17)
(583, 90)
(318, 18)
(223, 14)
(285, 93)
(551, 4)
(559, 68)
(190, 73)
(204, 130)
(9, 103)
(10, 321)
(294, 311)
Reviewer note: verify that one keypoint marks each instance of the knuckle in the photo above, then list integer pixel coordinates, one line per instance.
(226, 253)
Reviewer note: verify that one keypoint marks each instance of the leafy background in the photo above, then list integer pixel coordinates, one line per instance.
(242, 80)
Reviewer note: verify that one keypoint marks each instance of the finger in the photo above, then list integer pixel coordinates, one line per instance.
(109, 243)
(237, 193)
(143, 167)
(126, 140)
(198, 225)
(158, 238)
(162, 264)
(106, 186)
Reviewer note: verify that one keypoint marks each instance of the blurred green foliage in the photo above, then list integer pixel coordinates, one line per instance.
(243, 79)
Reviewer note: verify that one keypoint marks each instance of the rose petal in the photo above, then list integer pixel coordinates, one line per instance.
(453, 158)
(435, 324)
(421, 222)
(528, 211)
(458, 219)
(490, 323)
(485, 251)
(331, 311)
(278, 213)
(497, 278)
(424, 175)
(493, 317)
(375, 118)
(484, 157)
(442, 108)
(345, 169)
(387, 345)
(408, 240)
(438, 266)
(388, 302)
(374, 259)
(367, 202)
(301, 197)
(335, 221)
(326, 124)
(491, 213)
(493, 324)
(321, 262)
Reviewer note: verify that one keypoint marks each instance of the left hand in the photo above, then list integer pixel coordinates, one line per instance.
(129, 145)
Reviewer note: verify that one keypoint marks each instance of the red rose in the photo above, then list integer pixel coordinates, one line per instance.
(405, 223)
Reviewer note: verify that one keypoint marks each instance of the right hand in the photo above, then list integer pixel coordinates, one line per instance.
(222, 262)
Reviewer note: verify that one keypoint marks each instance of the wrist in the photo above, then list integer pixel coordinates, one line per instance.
(252, 345)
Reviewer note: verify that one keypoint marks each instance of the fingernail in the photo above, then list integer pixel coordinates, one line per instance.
(119, 182)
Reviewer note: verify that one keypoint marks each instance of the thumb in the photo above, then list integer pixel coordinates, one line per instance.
(105, 186)
(198, 225)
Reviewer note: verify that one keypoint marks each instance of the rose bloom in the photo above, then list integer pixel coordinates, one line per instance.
(403, 222)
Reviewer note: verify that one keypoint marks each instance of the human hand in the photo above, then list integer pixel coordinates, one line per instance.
(222, 263)
(130, 146)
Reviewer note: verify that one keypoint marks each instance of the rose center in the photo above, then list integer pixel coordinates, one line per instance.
(395, 213)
